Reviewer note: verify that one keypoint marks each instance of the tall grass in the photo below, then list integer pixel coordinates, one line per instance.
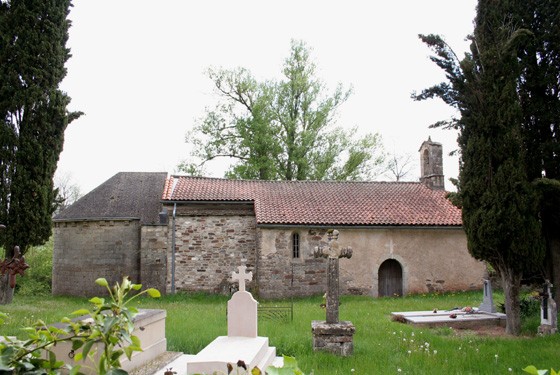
(381, 346)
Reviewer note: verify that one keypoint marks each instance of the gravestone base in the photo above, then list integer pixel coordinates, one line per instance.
(547, 329)
(335, 338)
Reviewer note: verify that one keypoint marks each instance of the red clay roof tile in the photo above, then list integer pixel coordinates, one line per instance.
(324, 202)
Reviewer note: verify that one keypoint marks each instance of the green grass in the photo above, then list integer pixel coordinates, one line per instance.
(381, 346)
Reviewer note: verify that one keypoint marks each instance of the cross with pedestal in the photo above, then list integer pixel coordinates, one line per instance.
(333, 252)
(332, 335)
(241, 277)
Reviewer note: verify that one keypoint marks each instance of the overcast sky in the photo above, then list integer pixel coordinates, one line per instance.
(138, 71)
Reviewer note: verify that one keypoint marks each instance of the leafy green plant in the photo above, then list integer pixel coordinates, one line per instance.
(102, 339)
(534, 371)
(290, 367)
(37, 279)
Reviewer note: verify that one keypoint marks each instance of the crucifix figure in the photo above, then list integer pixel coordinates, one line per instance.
(333, 252)
(241, 277)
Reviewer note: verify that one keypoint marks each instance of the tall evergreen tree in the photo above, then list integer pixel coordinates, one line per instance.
(539, 91)
(499, 205)
(33, 36)
(281, 130)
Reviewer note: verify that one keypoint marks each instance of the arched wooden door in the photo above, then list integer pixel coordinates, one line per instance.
(390, 279)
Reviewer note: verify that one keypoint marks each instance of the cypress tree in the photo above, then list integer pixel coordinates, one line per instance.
(539, 91)
(33, 36)
(499, 204)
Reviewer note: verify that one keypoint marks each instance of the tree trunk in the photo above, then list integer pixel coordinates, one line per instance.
(511, 282)
(6, 293)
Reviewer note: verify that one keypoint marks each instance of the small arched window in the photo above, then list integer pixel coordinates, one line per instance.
(295, 245)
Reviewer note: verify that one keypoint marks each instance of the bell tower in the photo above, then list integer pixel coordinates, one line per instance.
(431, 164)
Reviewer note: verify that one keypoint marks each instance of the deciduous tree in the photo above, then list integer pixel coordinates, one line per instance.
(281, 130)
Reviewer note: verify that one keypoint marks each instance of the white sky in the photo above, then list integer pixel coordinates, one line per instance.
(137, 71)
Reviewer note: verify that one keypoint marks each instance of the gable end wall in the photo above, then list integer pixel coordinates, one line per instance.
(87, 250)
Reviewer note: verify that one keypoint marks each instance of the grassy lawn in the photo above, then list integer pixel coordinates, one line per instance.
(380, 345)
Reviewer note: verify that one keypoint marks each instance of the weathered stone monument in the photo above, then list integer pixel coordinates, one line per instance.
(333, 335)
(487, 304)
(549, 311)
(241, 343)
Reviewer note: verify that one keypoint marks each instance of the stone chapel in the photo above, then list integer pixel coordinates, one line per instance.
(179, 233)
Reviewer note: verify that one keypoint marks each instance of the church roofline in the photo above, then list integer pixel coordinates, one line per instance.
(348, 226)
(95, 219)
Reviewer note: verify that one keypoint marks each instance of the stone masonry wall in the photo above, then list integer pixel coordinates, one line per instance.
(431, 259)
(86, 250)
(281, 275)
(153, 256)
(211, 242)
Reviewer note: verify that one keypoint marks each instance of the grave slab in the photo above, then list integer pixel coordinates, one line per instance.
(226, 349)
(443, 319)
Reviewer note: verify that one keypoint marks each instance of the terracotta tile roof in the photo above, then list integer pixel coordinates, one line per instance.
(324, 202)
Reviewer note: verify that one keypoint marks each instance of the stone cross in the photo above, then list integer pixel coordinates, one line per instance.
(241, 277)
(333, 252)
(487, 304)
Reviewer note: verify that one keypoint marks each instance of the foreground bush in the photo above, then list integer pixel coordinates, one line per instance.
(110, 327)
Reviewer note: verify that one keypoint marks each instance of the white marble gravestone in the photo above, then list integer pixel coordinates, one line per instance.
(242, 308)
(242, 342)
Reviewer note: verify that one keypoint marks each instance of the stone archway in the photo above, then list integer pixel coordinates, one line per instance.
(390, 279)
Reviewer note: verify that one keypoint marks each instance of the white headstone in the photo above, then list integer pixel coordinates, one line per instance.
(549, 311)
(242, 308)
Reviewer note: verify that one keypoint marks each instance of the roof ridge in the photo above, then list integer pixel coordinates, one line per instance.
(295, 181)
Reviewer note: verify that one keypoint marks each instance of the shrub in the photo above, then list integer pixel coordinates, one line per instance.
(38, 277)
(110, 325)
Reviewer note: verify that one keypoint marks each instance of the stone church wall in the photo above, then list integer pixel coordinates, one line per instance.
(87, 250)
(210, 243)
(153, 256)
(431, 260)
(281, 275)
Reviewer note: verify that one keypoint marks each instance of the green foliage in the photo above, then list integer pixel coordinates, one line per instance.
(37, 280)
(281, 130)
(533, 370)
(194, 320)
(34, 116)
(290, 367)
(500, 206)
(107, 336)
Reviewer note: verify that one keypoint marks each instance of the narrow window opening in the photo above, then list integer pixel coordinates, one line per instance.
(295, 245)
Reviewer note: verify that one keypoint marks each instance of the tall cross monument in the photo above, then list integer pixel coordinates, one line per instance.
(333, 335)
(333, 252)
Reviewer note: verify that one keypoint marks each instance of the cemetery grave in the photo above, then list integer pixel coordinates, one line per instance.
(242, 342)
(457, 317)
